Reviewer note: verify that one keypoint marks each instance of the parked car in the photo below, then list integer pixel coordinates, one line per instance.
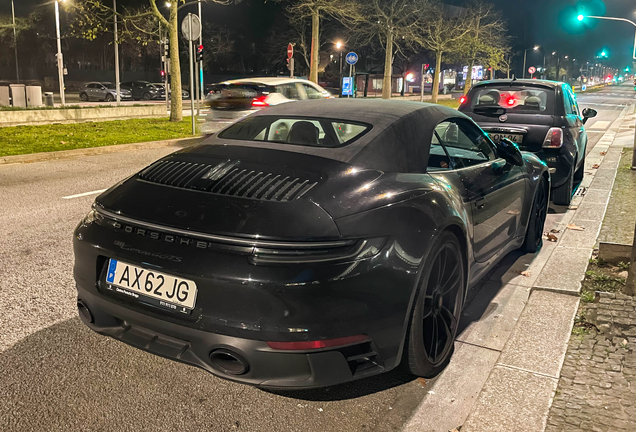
(309, 244)
(542, 117)
(235, 99)
(184, 93)
(144, 90)
(103, 91)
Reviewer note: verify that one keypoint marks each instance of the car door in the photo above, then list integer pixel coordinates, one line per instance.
(290, 91)
(492, 188)
(312, 92)
(576, 126)
(100, 91)
(88, 89)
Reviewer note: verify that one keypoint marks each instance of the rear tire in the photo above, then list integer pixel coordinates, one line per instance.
(536, 222)
(562, 195)
(83, 97)
(430, 341)
(109, 98)
(147, 96)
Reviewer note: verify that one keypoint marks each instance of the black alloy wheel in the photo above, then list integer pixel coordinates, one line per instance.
(109, 98)
(83, 97)
(438, 307)
(536, 223)
(147, 96)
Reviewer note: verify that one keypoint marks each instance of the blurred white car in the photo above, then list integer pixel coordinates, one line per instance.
(232, 100)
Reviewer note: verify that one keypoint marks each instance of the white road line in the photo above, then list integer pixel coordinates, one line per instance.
(84, 194)
(600, 125)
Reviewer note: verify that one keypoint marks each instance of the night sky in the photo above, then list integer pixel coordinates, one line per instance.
(552, 24)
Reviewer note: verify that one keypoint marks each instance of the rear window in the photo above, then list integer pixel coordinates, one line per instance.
(309, 131)
(514, 99)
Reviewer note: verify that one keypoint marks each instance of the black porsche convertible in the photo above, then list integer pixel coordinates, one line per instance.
(309, 244)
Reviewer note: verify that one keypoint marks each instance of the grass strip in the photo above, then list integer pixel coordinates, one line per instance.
(18, 140)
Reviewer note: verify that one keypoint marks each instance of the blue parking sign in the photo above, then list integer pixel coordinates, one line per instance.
(347, 86)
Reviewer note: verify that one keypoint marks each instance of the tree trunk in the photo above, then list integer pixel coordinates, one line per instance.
(438, 67)
(469, 78)
(176, 107)
(388, 68)
(315, 46)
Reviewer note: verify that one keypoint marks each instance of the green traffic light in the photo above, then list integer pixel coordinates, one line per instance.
(581, 17)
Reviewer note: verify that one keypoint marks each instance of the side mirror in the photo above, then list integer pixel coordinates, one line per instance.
(588, 113)
(510, 152)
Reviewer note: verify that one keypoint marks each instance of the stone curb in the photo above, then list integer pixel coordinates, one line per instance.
(520, 389)
(64, 154)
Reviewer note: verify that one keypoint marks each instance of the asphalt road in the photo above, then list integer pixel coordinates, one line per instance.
(55, 374)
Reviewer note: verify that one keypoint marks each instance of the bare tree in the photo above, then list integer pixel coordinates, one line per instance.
(487, 38)
(444, 28)
(345, 11)
(94, 17)
(396, 24)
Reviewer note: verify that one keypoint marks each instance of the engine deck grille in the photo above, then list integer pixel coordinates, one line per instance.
(228, 179)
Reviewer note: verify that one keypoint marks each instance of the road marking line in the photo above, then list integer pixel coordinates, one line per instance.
(84, 194)
(600, 125)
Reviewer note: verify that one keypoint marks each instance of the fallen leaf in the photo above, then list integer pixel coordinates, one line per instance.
(513, 212)
(525, 273)
(603, 153)
(576, 227)
(554, 230)
(421, 381)
(62, 142)
(573, 207)
(552, 237)
(624, 343)
(595, 166)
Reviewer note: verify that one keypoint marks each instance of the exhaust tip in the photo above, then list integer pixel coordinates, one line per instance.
(229, 362)
(84, 312)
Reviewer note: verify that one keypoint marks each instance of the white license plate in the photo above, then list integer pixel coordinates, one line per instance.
(515, 138)
(168, 291)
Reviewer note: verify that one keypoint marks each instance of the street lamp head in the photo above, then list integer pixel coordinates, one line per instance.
(553, 52)
(168, 4)
(536, 48)
(338, 45)
(581, 17)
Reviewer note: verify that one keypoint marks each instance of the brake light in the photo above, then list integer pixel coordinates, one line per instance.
(511, 101)
(462, 100)
(326, 343)
(260, 101)
(554, 138)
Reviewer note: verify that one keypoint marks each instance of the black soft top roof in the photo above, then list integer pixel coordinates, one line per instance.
(399, 139)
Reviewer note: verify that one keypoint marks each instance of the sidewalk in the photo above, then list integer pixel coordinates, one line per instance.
(597, 386)
(519, 391)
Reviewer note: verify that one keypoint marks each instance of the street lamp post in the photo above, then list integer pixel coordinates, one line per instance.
(15, 45)
(339, 46)
(525, 55)
(116, 55)
(60, 61)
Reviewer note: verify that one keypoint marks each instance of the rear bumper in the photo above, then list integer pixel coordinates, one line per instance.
(241, 306)
(264, 366)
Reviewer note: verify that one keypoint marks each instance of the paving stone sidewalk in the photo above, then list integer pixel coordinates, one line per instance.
(597, 388)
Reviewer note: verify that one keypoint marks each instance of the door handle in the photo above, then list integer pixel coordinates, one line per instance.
(480, 203)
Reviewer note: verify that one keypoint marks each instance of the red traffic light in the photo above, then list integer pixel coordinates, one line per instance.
(163, 73)
(200, 48)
